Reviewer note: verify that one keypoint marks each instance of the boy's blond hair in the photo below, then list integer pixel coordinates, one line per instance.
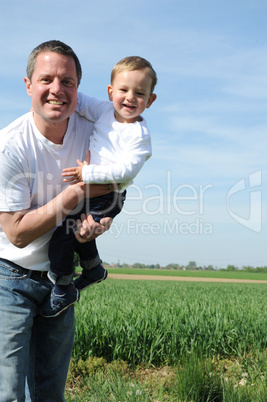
(132, 63)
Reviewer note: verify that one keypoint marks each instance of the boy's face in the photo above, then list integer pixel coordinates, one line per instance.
(130, 93)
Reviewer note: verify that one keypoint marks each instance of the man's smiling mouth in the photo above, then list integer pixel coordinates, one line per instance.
(51, 102)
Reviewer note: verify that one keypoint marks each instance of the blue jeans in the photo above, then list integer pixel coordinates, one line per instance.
(34, 351)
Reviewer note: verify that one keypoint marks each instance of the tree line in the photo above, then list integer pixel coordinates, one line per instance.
(192, 266)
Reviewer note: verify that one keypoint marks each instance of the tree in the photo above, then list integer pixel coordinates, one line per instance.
(191, 265)
(231, 268)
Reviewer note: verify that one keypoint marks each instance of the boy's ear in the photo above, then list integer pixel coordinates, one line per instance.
(110, 92)
(151, 99)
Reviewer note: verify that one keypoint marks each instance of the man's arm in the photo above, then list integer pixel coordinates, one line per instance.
(23, 227)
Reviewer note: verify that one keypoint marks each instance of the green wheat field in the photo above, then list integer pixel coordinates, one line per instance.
(170, 341)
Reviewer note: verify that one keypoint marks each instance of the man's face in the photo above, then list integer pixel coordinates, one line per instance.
(53, 89)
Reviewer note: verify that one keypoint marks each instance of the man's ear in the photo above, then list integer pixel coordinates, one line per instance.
(28, 86)
(151, 99)
(110, 92)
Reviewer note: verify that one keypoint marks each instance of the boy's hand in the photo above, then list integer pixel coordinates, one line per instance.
(74, 174)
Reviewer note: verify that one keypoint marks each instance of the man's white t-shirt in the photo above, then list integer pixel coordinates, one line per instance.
(30, 176)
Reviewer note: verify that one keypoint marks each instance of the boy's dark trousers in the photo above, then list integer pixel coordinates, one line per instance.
(63, 243)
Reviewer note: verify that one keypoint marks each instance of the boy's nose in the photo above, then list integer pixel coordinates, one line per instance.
(130, 96)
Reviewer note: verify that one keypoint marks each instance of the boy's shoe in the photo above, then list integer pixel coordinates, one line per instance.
(90, 277)
(56, 304)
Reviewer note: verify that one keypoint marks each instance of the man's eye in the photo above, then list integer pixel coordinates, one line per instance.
(67, 83)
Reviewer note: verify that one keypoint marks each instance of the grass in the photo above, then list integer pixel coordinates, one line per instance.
(157, 322)
(194, 274)
(176, 341)
(194, 379)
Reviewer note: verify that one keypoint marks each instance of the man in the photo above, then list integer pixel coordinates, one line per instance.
(35, 351)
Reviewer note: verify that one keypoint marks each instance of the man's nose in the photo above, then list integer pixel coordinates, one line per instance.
(56, 86)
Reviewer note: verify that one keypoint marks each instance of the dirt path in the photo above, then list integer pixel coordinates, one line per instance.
(180, 278)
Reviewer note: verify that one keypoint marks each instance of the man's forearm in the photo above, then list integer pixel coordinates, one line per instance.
(23, 227)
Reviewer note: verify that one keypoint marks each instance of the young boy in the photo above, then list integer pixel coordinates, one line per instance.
(119, 147)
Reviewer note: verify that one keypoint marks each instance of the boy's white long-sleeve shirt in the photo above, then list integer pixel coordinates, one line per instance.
(118, 150)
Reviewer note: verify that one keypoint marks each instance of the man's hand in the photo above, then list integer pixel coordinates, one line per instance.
(88, 229)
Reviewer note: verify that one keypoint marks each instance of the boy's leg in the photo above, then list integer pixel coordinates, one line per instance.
(61, 248)
(61, 255)
(88, 254)
(93, 272)
(109, 205)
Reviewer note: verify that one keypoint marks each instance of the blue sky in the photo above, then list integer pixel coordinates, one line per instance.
(201, 197)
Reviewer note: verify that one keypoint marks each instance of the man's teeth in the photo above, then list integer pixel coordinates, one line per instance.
(55, 102)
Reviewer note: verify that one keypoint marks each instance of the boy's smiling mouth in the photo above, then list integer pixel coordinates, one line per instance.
(129, 106)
